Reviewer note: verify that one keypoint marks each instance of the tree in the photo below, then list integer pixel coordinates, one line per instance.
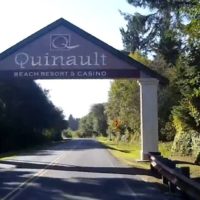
(192, 30)
(99, 118)
(188, 111)
(170, 32)
(193, 13)
(73, 123)
(26, 115)
(123, 106)
(159, 31)
(168, 97)
(95, 122)
(86, 126)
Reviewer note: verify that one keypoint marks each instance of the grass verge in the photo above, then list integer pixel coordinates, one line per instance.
(130, 154)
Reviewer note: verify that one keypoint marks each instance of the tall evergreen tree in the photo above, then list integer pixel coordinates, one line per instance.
(99, 118)
(26, 114)
(160, 31)
(73, 123)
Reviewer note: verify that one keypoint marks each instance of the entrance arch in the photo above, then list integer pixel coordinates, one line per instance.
(61, 50)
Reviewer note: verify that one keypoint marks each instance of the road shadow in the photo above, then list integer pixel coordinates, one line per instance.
(107, 170)
(81, 188)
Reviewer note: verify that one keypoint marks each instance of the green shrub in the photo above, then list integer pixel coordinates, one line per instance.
(182, 144)
(167, 133)
(187, 143)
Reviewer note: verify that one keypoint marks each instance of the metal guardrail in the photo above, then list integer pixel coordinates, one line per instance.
(175, 178)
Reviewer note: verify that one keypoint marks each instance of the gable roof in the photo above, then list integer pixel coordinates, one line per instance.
(89, 37)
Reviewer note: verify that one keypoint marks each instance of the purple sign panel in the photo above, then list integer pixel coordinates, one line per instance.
(61, 53)
(68, 74)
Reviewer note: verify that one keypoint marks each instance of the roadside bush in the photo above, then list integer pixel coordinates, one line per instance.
(68, 133)
(77, 134)
(187, 143)
(167, 133)
(182, 144)
(47, 134)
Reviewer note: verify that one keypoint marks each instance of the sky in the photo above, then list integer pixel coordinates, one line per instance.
(101, 18)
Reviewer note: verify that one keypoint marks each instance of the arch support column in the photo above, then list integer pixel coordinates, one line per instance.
(148, 116)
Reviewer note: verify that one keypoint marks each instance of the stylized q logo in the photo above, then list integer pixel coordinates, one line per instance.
(61, 42)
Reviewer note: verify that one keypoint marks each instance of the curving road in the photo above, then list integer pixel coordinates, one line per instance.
(79, 169)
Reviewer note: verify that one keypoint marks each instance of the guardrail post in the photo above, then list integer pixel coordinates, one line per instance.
(164, 180)
(172, 187)
(185, 171)
(152, 168)
(172, 165)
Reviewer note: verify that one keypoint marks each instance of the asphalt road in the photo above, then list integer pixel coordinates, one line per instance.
(79, 169)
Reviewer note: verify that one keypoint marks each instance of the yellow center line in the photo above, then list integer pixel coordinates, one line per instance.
(24, 185)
